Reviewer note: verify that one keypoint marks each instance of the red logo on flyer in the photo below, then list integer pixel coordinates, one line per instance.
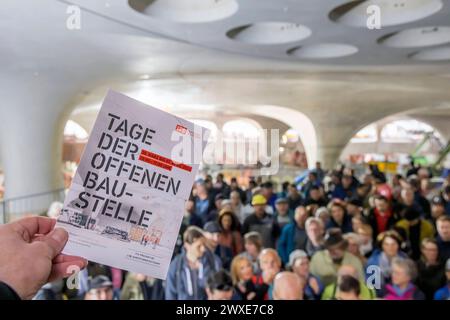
(181, 129)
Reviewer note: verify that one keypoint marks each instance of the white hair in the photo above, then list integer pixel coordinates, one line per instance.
(54, 210)
(313, 220)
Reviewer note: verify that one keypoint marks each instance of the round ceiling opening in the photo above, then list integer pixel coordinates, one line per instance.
(434, 54)
(270, 33)
(417, 37)
(390, 12)
(187, 11)
(323, 51)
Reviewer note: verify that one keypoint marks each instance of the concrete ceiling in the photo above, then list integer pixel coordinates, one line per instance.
(48, 70)
(326, 31)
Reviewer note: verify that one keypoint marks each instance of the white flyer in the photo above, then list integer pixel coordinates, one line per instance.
(126, 203)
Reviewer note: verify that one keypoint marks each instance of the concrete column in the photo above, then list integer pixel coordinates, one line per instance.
(31, 145)
(331, 141)
(329, 155)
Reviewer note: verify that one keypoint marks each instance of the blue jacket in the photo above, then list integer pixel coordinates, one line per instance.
(179, 285)
(374, 260)
(443, 293)
(286, 242)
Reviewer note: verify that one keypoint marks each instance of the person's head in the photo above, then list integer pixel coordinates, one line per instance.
(403, 271)
(269, 260)
(234, 184)
(348, 270)
(414, 182)
(381, 203)
(241, 269)
(54, 210)
(354, 207)
(267, 189)
(219, 286)
(348, 288)
(443, 227)
(208, 183)
(437, 207)
(228, 221)
(368, 180)
(412, 215)
(318, 165)
(354, 242)
(100, 288)
(390, 242)
(235, 198)
(335, 244)
(194, 242)
(292, 190)
(337, 211)
(357, 221)
(312, 176)
(335, 177)
(200, 188)
(299, 263)
(323, 214)
(314, 193)
(211, 231)
(226, 205)
(423, 173)
(396, 179)
(288, 286)
(253, 243)
(189, 206)
(218, 201)
(430, 250)
(348, 172)
(366, 233)
(282, 206)
(219, 178)
(347, 181)
(259, 204)
(314, 229)
(407, 196)
(362, 190)
(300, 216)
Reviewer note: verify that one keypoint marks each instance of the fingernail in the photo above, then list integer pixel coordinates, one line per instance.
(59, 235)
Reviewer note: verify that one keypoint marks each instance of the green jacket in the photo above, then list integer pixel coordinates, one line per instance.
(366, 293)
(323, 267)
(426, 228)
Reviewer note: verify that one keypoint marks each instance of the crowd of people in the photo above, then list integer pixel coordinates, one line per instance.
(332, 236)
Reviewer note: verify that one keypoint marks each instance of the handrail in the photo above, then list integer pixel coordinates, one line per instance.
(33, 195)
(37, 203)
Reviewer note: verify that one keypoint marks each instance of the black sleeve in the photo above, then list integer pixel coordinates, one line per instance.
(259, 290)
(245, 226)
(7, 293)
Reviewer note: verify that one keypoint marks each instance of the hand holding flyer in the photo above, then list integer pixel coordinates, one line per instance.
(126, 203)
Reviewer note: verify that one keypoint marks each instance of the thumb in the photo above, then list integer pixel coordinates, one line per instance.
(55, 240)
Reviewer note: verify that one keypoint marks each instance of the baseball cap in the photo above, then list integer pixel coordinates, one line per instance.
(437, 200)
(356, 202)
(296, 254)
(281, 200)
(212, 227)
(100, 281)
(258, 199)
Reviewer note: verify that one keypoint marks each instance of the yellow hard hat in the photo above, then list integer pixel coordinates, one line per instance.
(258, 200)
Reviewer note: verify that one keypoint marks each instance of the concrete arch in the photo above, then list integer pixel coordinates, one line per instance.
(379, 146)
